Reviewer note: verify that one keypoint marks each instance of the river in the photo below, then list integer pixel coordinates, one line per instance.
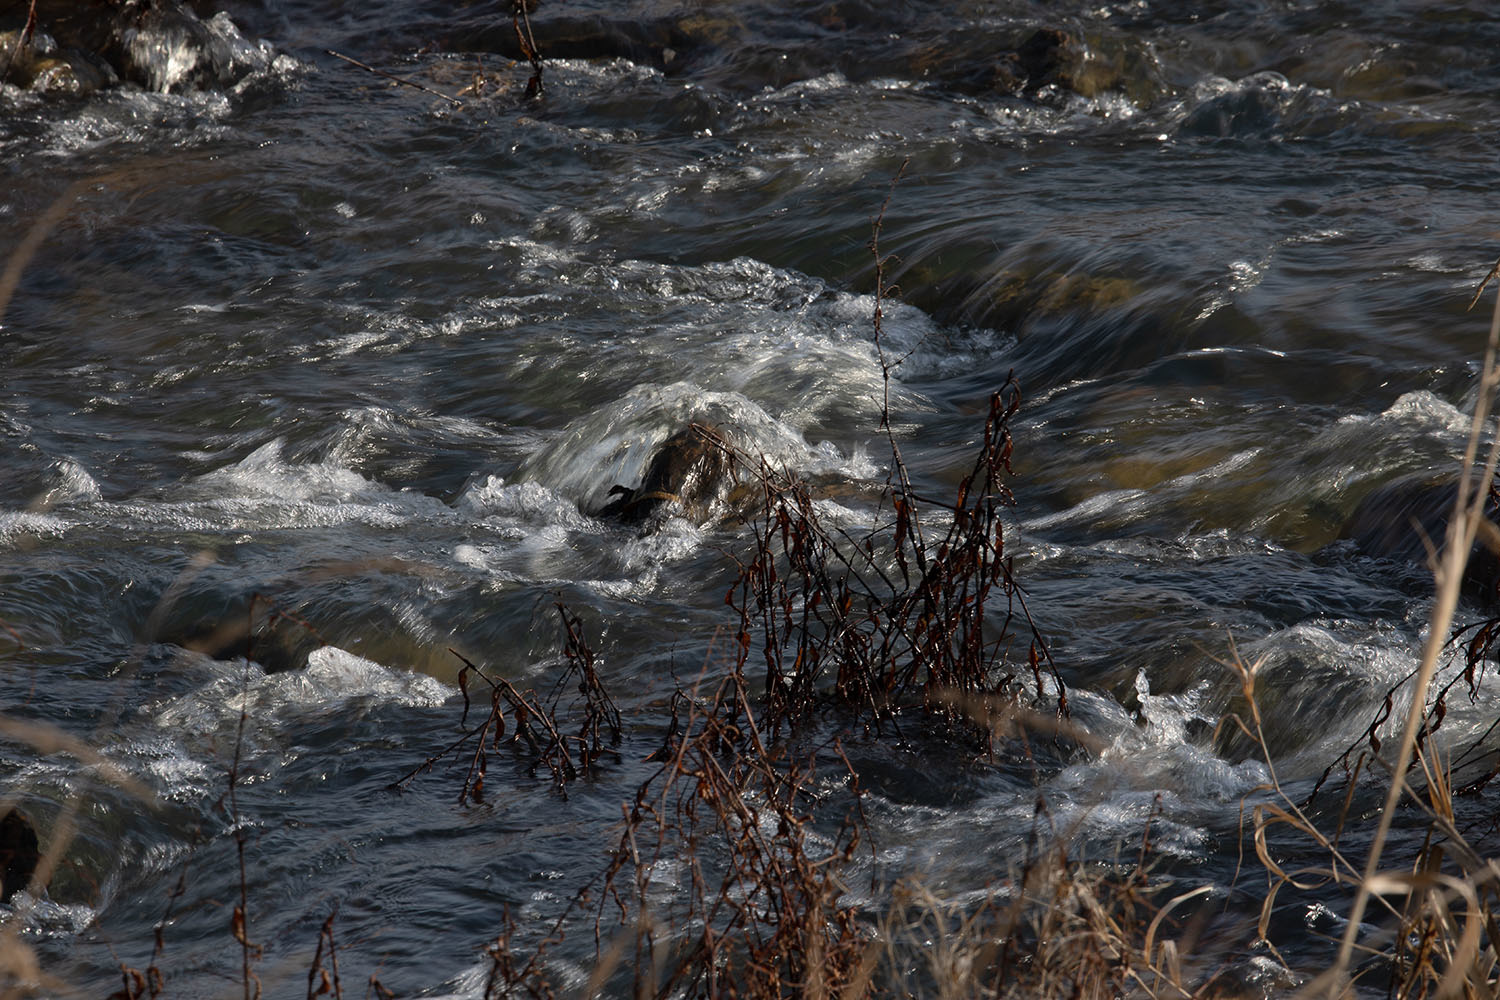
(375, 356)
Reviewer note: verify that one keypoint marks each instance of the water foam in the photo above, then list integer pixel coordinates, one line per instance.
(613, 444)
(332, 680)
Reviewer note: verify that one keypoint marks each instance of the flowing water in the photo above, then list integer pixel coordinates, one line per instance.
(295, 331)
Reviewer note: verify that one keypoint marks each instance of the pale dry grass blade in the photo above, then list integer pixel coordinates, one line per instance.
(1462, 531)
(46, 739)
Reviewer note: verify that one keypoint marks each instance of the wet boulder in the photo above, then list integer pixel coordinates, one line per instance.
(44, 66)
(975, 292)
(1046, 57)
(670, 43)
(77, 46)
(689, 474)
(1043, 62)
(234, 627)
(746, 49)
(276, 649)
(700, 475)
(1049, 57)
(1399, 520)
(19, 853)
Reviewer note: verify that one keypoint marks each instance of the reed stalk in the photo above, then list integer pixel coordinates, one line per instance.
(1448, 569)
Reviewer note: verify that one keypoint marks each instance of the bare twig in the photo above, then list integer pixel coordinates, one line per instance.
(398, 79)
(23, 39)
(521, 20)
(319, 980)
(240, 920)
(1482, 285)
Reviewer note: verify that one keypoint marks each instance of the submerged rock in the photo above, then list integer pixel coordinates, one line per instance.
(1046, 57)
(234, 628)
(670, 44)
(45, 67)
(1014, 299)
(19, 853)
(78, 47)
(1047, 62)
(745, 50)
(1399, 520)
(696, 474)
(276, 649)
(689, 473)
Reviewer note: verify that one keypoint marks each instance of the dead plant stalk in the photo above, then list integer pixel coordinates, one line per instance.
(1448, 568)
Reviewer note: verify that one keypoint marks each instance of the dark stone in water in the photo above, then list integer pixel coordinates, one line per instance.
(1399, 519)
(234, 639)
(688, 473)
(695, 474)
(1046, 57)
(45, 67)
(19, 853)
(1045, 65)
(974, 293)
(80, 46)
(233, 629)
(669, 44)
(741, 51)
(1049, 56)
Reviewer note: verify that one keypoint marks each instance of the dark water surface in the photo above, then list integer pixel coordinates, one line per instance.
(346, 345)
